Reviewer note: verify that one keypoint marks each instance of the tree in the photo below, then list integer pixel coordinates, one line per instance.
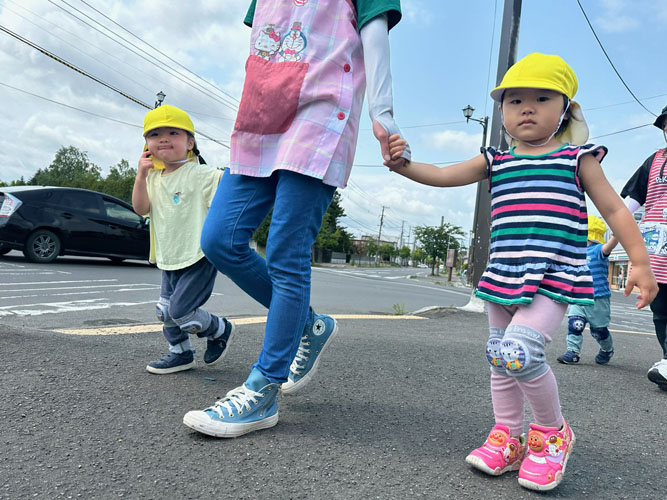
(372, 248)
(120, 181)
(437, 240)
(332, 235)
(70, 167)
(404, 253)
(418, 255)
(386, 251)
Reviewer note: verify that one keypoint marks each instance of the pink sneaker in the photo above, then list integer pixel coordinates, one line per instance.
(500, 453)
(548, 451)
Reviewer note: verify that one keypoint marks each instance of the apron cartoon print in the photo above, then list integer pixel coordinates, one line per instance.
(303, 92)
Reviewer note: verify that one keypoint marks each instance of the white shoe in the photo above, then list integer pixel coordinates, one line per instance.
(658, 374)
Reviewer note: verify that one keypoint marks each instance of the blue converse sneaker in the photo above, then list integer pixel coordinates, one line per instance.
(569, 358)
(172, 363)
(316, 338)
(251, 407)
(216, 349)
(603, 357)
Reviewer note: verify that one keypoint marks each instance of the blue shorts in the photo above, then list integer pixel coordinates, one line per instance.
(597, 315)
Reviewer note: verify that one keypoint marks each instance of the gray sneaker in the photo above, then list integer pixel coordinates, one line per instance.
(216, 349)
(172, 363)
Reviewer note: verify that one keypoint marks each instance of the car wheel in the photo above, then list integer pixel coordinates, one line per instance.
(42, 246)
(4, 250)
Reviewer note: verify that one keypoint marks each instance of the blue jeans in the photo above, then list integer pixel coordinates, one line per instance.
(281, 282)
(182, 294)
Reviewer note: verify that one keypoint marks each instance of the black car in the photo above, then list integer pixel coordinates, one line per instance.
(45, 222)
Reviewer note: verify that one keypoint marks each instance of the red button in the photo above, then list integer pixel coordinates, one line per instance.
(346, 68)
(341, 116)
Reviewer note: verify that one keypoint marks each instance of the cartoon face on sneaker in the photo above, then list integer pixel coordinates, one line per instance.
(554, 445)
(510, 452)
(532, 115)
(169, 144)
(535, 442)
(498, 437)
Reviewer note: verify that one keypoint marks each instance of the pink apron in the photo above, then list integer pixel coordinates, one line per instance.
(303, 91)
(654, 223)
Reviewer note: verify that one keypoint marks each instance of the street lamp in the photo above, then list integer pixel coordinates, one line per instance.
(160, 97)
(477, 258)
(484, 122)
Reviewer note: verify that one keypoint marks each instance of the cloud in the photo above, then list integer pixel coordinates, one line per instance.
(455, 141)
(618, 16)
(35, 128)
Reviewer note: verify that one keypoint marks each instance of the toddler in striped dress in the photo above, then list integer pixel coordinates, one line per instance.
(537, 262)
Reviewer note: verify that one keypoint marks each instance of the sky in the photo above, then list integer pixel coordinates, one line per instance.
(444, 56)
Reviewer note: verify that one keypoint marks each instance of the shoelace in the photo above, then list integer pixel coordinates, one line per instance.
(301, 352)
(240, 398)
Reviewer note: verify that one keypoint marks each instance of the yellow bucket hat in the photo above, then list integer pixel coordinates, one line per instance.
(167, 116)
(546, 71)
(596, 229)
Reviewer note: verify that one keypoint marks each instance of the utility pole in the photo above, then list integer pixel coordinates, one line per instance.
(509, 40)
(381, 221)
(400, 239)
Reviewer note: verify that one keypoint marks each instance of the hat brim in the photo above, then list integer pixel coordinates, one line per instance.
(497, 93)
(660, 121)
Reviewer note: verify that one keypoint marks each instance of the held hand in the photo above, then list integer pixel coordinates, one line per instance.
(382, 136)
(642, 277)
(396, 148)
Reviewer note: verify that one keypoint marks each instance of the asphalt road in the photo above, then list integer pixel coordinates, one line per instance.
(397, 404)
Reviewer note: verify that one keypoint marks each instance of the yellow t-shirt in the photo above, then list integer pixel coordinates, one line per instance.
(179, 204)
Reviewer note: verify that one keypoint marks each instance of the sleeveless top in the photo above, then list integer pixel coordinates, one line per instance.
(539, 227)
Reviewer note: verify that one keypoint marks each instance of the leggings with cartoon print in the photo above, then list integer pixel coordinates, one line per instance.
(517, 338)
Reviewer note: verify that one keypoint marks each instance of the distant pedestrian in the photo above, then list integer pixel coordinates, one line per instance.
(597, 315)
(175, 191)
(648, 187)
(621, 281)
(538, 257)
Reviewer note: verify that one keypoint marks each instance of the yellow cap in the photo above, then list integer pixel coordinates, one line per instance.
(167, 116)
(596, 229)
(538, 71)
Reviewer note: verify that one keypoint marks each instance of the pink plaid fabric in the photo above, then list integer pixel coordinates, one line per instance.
(320, 37)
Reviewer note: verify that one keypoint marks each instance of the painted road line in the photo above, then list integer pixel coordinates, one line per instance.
(253, 320)
(58, 282)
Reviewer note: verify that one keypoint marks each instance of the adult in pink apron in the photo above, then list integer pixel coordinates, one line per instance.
(648, 187)
(293, 144)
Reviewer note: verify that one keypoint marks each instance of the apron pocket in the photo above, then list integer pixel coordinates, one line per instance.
(270, 96)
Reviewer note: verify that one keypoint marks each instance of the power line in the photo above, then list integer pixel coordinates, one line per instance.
(71, 66)
(167, 70)
(72, 45)
(620, 131)
(159, 51)
(70, 107)
(97, 114)
(610, 62)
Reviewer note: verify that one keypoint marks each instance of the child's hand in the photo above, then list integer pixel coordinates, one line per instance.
(390, 160)
(396, 148)
(642, 277)
(145, 164)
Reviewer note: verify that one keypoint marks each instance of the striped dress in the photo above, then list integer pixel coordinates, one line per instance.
(539, 227)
